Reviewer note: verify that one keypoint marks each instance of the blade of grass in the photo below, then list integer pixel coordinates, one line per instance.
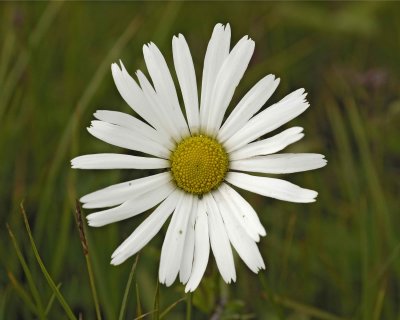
(393, 257)
(138, 304)
(365, 251)
(270, 296)
(51, 300)
(81, 106)
(173, 305)
(109, 308)
(63, 235)
(28, 274)
(305, 309)
(374, 183)
(189, 297)
(80, 226)
(379, 302)
(23, 59)
(145, 315)
(6, 55)
(50, 281)
(22, 293)
(4, 292)
(127, 288)
(342, 140)
(156, 315)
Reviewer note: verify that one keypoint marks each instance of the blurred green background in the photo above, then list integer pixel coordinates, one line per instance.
(338, 258)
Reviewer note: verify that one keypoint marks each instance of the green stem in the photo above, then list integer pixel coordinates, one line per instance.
(127, 288)
(189, 298)
(93, 287)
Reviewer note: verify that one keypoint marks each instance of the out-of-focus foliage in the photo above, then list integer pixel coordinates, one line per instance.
(338, 258)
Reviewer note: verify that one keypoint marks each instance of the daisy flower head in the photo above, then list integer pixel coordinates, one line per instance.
(198, 158)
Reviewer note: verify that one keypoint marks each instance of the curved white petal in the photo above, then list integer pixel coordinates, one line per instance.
(164, 84)
(243, 212)
(134, 97)
(131, 207)
(187, 80)
(167, 118)
(201, 248)
(219, 241)
(172, 249)
(132, 123)
(125, 138)
(217, 51)
(121, 192)
(269, 119)
(280, 163)
(270, 145)
(188, 249)
(146, 230)
(117, 161)
(250, 104)
(228, 78)
(243, 244)
(271, 187)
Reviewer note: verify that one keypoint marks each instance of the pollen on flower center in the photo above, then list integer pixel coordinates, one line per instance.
(199, 164)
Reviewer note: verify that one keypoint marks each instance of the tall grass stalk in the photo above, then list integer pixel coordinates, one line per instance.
(33, 288)
(127, 288)
(50, 281)
(85, 247)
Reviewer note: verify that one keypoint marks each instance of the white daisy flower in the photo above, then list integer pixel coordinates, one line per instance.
(202, 159)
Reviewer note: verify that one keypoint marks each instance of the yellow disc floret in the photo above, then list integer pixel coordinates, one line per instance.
(199, 164)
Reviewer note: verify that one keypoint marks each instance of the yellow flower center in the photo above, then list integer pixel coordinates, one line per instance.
(199, 164)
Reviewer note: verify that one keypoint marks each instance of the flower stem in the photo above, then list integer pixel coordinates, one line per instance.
(189, 305)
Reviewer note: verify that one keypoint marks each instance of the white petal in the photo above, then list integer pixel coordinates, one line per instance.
(132, 123)
(201, 248)
(269, 119)
(270, 145)
(243, 244)
(146, 230)
(250, 104)
(164, 84)
(271, 187)
(280, 163)
(219, 241)
(121, 192)
(131, 207)
(167, 117)
(228, 78)
(187, 255)
(217, 51)
(172, 249)
(117, 161)
(125, 138)
(187, 80)
(243, 212)
(134, 97)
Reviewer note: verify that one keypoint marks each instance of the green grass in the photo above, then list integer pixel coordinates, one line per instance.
(336, 259)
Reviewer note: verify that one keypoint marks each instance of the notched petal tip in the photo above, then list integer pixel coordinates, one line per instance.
(218, 26)
(145, 48)
(92, 222)
(115, 70)
(115, 261)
